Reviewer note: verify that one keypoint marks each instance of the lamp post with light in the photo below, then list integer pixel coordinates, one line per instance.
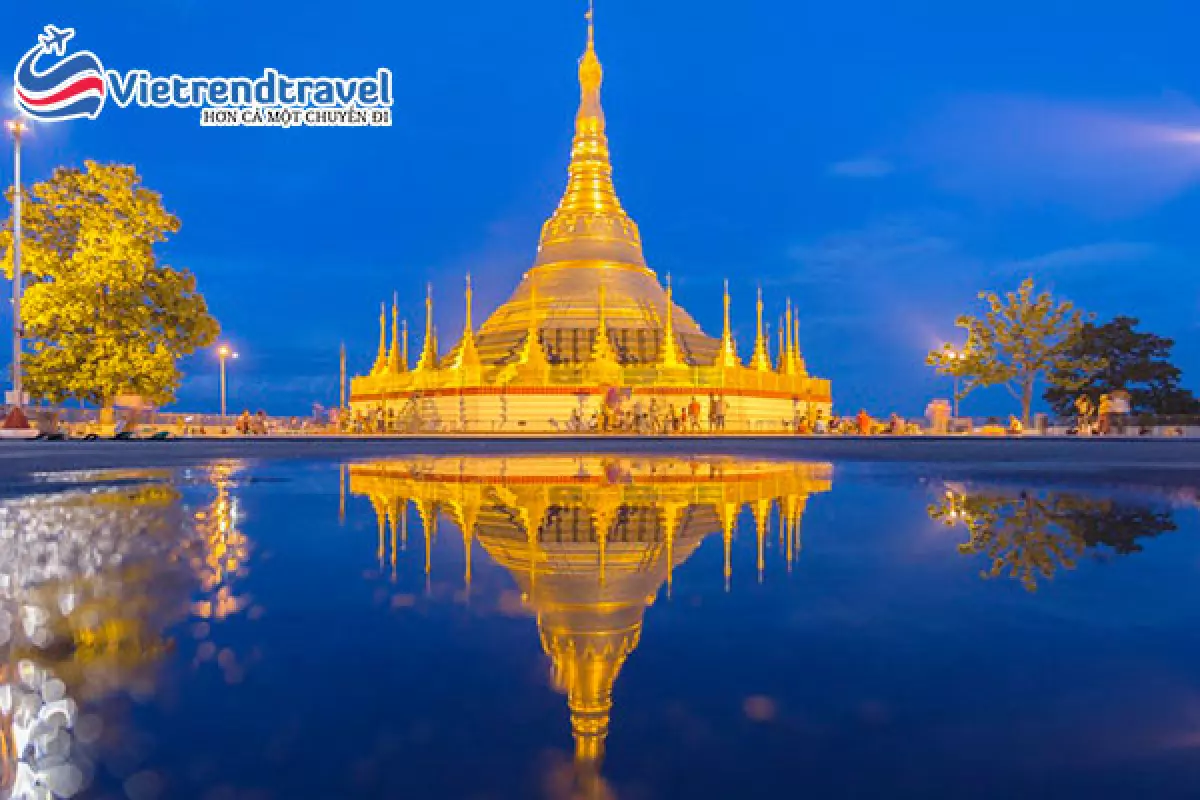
(17, 128)
(956, 356)
(224, 352)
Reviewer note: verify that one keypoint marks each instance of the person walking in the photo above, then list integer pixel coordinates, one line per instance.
(1104, 414)
(694, 414)
(1120, 408)
(1083, 409)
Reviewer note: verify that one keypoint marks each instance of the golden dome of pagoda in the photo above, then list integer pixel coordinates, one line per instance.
(588, 243)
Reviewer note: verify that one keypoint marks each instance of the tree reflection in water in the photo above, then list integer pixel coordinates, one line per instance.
(1030, 535)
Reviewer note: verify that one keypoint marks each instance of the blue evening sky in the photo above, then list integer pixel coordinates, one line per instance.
(880, 162)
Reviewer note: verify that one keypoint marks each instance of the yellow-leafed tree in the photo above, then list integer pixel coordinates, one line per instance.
(102, 316)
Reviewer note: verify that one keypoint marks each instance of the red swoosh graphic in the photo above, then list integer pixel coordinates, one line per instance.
(91, 82)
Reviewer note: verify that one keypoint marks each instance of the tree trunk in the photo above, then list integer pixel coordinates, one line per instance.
(1026, 400)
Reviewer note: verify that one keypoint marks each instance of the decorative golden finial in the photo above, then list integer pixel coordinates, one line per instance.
(380, 365)
(589, 223)
(788, 360)
(781, 366)
(469, 295)
(670, 352)
(801, 368)
(404, 344)
(468, 354)
(396, 364)
(602, 351)
(729, 356)
(761, 359)
(428, 358)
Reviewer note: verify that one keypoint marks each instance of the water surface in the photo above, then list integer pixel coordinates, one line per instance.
(598, 626)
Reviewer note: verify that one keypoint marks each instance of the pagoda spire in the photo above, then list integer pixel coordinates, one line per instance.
(395, 363)
(728, 357)
(589, 223)
(468, 354)
(602, 348)
(781, 365)
(532, 354)
(762, 357)
(788, 359)
(798, 360)
(404, 343)
(381, 361)
(428, 358)
(670, 353)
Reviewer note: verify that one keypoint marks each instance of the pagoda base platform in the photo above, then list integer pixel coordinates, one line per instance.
(558, 409)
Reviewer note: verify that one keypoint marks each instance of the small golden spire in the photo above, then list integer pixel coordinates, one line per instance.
(396, 364)
(761, 360)
(602, 351)
(788, 360)
(469, 295)
(468, 354)
(380, 365)
(798, 360)
(781, 366)
(428, 360)
(532, 355)
(404, 344)
(670, 353)
(729, 356)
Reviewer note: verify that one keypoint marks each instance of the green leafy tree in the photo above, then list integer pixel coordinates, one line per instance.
(101, 315)
(1023, 337)
(1029, 536)
(1113, 356)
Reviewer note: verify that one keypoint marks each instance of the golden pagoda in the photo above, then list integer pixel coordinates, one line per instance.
(589, 317)
(590, 541)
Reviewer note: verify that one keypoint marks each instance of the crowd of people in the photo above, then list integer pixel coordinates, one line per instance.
(256, 424)
(1108, 415)
(652, 418)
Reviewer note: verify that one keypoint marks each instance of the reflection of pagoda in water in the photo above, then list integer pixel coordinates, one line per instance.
(588, 323)
(590, 540)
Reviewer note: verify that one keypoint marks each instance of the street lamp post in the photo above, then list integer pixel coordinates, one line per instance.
(224, 352)
(956, 356)
(17, 128)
